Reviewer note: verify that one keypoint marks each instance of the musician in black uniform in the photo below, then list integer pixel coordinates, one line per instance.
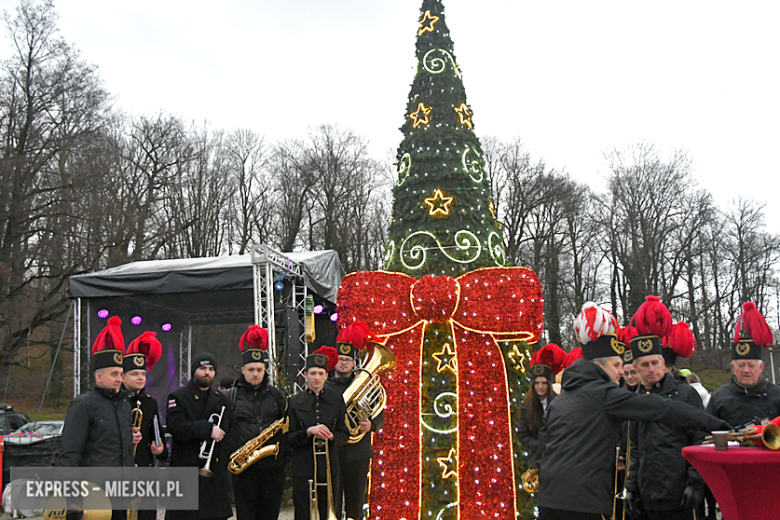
(659, 480)
(316, 413)
(141, 355)
(748, 399)
(354, 459)
(256, 405)
(98, 429)
(189, 413)
(583, 424)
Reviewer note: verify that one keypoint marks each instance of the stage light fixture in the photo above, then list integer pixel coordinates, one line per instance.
(318, 309)
(136, 320)
(166, 327)
(334, 317)
(102, 314)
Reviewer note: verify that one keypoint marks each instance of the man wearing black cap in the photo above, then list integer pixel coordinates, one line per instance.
(354, 459)
(665, 483)
(257, 404)
(577, 443)
(98, 427)
(317, 417)
(748, 399)
(190, 410)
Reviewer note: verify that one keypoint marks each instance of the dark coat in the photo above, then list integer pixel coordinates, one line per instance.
(577, 443)
(658, 471)
(363, 449)
(740, 406)
(143, 453)
(98, 431)
(529, 436)
(189, 425)
(255, 409)
(307, 409)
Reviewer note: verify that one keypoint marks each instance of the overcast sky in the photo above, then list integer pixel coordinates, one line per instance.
(571, 78)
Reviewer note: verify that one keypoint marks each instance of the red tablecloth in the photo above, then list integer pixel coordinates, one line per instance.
(745, 481)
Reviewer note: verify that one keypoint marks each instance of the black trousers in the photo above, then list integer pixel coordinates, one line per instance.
(302, 497)
(352, 491)
(258, 493)
(674, 514)
(547, 513)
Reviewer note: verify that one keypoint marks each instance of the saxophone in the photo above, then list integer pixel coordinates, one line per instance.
(254, 450)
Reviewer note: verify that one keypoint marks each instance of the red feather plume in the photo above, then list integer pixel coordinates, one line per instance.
(254, 337)
(626, 333)
(572, 356)
(356, 334)
(752, 324)
(333, 356)
(110, 337)
(551, 355)
(681, 340)
(653, 318)
(148, 345)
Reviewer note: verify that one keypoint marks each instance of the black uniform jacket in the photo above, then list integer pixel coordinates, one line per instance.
(658, 470)
(577, 443)
(255, 409)
(148, 405)
(307, 409)
(362, 449)
(189, 425)
(98, 431)
(528, 436)
(739, 406)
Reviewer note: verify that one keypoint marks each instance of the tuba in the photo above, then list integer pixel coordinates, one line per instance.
(530, 480)
(320, 447)
(365, 397)
(254, 450)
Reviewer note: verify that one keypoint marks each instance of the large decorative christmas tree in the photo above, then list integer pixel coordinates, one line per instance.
(449, 310)
(443, 221)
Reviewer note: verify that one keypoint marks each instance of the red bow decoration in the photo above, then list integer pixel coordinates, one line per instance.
(482, 307)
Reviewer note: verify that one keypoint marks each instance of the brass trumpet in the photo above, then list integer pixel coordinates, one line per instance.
(320, 447)
(767, 436)
(138, 417)
(205, 471)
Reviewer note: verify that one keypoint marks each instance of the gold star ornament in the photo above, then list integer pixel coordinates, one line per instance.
(449, 464)
(465, 115)
(447, 359)
(420, 116)
(427, 23)
(439, 204)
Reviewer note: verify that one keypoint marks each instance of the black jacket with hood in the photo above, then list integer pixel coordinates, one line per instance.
(739, 405)
(577, 443)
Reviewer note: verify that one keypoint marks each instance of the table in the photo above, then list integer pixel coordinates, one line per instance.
(745, 481)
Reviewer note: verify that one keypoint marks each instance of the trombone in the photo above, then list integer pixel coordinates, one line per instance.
(320, 447)
(207, 452)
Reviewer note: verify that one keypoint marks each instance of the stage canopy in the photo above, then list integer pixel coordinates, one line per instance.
(196, 286)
